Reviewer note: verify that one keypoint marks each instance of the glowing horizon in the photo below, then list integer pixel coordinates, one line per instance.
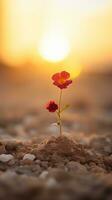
(84, 27)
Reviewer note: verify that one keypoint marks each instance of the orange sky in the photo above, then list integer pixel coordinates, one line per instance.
(85, 24)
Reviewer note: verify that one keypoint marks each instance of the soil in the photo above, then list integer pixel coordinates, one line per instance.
(61, 168)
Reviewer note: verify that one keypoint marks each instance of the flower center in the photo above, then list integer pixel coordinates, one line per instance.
(62, 81)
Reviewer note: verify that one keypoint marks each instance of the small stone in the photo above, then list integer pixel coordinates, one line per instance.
(44, 174)
(90, 153)
(29, 157)
(23, 170)
(6, 157)
(44, 164)
(37, 161)
(76, 167)
(108, 140)
(36, 168)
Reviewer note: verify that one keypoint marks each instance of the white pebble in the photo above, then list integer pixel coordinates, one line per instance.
(44, 174)
(53, 128)
(29, 156)
(6, 157)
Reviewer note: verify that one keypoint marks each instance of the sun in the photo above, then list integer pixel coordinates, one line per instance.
(54, 47)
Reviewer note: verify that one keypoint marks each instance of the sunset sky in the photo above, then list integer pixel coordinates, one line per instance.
(69, 32)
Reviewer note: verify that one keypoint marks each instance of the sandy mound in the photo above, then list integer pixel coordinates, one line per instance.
(62, 148)
(58, 168)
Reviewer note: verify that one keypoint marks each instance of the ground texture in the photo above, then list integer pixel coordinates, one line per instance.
(37, 164)
(77, 167)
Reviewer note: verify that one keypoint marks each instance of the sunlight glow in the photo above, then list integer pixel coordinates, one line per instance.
(54, 47)
(73, 68)
(58, 31)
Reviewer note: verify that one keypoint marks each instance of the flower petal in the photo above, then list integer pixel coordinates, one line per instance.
(64, 85)
(68, 82)
(56, 77)
(51, 106)
(65, 75)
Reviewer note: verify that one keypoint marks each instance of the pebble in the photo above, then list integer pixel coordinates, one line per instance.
(37, 161)
(76, 167)
(6, 157)
(23, 170)
(53, 128)
(44, 164)
(36, 168)
(108, 140)
(29, 157)
(90, 152)
(44, 174)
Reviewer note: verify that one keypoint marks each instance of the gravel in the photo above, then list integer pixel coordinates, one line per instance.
(6, 157)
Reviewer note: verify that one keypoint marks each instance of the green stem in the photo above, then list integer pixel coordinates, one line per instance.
(59, 113)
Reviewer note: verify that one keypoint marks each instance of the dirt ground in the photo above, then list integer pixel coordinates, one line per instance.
(46, 166)
(35, 163)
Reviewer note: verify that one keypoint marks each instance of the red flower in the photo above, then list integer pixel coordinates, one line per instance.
(61, 79)
(51, 106)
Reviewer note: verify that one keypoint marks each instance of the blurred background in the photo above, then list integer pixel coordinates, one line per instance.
(41, 37)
